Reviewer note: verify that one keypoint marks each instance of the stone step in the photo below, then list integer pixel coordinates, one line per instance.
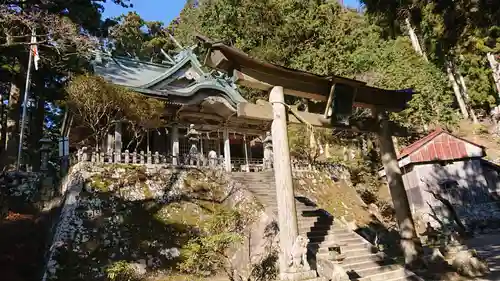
(302, 276)
(407, 277)
(366, 264)
(346, 253)
(315, 224)
(252, 174)
(325, 229)
(304, 211)
(318, 217)
(253, 180)
(355, 259)
(334, 238)
(382, 275)
(274, 205)
(350, 259)
(350, 247)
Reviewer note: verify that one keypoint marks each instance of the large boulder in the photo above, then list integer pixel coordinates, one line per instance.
(468, 264)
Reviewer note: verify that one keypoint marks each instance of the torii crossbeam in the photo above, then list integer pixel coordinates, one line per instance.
(282, 81)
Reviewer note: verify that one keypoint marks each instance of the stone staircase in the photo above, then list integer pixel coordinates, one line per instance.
(362, 261)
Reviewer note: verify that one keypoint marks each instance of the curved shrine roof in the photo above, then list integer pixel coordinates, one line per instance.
(181, 81)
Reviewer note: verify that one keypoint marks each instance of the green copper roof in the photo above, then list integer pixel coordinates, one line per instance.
(181, 81)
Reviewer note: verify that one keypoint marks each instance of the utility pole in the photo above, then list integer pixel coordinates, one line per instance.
(25, 101)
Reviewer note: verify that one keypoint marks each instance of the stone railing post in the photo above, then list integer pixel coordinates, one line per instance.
(134, 157)
(118, 156)
(149, 158)
(157, 158)
(127, 157)
(141, 156)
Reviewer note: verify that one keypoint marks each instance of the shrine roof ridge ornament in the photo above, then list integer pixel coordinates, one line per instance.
(181, 78)
(253, 73)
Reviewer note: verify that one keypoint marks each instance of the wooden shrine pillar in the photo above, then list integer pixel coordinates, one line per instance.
(410, 242)
(118, 141)
(108, 144)
(227, 152)
(287, 215)
(175, 144)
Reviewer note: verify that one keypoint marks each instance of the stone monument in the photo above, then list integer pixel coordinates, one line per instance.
(212, 158)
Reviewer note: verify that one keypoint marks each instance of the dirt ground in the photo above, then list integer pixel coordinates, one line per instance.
(22, 246)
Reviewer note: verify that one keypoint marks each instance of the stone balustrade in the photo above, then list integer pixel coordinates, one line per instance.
(238, 164)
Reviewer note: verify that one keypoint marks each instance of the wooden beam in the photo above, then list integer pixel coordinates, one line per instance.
(200, 115)
(264, 112)
(248, 81)
(238, 130)
(217, 60)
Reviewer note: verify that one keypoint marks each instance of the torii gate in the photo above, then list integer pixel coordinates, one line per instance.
(341, 95)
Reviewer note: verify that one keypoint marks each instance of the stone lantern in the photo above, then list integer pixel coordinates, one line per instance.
(193, 137)
(44, 154)
(268, 151)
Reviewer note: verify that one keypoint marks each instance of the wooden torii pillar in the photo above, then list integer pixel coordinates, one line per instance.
(281, 81)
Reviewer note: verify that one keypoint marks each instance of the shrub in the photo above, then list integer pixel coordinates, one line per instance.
(206, 255)
(121, 271)
(480, 129)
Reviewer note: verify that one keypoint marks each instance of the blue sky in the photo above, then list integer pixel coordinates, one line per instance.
(163, 10)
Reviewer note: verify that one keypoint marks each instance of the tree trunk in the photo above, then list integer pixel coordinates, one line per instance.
(460, 90)
(3, 131)
(456, 90)
(410, 242)
(414, 39)
(396, 145)
(37, 134)
(464, 94)
(8, 158)
(495, 67)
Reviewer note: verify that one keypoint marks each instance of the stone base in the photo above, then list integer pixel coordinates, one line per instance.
(298, 276)
(331, 270)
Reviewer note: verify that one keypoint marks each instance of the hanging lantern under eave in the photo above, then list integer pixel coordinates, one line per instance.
(342, 104)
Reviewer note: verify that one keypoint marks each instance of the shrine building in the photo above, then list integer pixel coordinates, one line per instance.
(208, 100)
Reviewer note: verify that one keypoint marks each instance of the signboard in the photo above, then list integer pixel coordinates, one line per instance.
(63, 146)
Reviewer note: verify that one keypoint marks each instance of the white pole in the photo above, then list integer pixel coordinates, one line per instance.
(147, 140)
(227, 151)
(246, 152)
(25, 104)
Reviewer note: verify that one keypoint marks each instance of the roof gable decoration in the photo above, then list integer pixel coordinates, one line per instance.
(439, 145)
(180, 77)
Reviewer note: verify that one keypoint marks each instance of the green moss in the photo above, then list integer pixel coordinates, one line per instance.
(100, 183)
(127, 167)
(180, 213)
(147, 192)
